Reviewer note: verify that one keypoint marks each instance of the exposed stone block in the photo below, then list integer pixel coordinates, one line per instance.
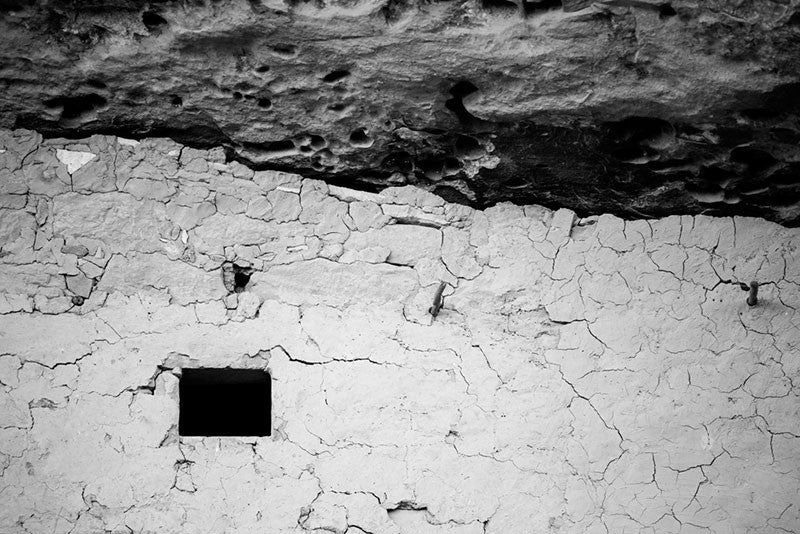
(80, 285)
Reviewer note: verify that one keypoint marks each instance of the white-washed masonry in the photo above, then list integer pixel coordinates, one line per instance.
(584, 375)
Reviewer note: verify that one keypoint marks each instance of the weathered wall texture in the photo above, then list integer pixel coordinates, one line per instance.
(590, 375)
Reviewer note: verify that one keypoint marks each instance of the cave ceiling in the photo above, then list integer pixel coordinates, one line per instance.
(635, 107)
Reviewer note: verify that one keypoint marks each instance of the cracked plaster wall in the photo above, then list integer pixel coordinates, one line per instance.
(592, 375)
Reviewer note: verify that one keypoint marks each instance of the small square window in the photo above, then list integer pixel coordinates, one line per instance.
(225, 402)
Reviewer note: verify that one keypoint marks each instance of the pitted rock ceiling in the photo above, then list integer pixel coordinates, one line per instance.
(633, 107)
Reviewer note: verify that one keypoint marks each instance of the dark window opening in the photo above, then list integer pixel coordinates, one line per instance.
(225, 402)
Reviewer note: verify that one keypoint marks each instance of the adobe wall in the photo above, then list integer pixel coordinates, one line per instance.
(584, 375)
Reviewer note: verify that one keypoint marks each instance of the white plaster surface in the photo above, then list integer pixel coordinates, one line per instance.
(586, 376)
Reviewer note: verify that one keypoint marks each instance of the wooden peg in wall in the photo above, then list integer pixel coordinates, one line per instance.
(752, 298)
(438, 300)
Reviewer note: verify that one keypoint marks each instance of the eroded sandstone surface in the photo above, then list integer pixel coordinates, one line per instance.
(585, 375)
(639, 108)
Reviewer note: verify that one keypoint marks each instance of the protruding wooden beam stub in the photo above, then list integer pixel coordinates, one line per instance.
(752, 298)
(438, 300)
